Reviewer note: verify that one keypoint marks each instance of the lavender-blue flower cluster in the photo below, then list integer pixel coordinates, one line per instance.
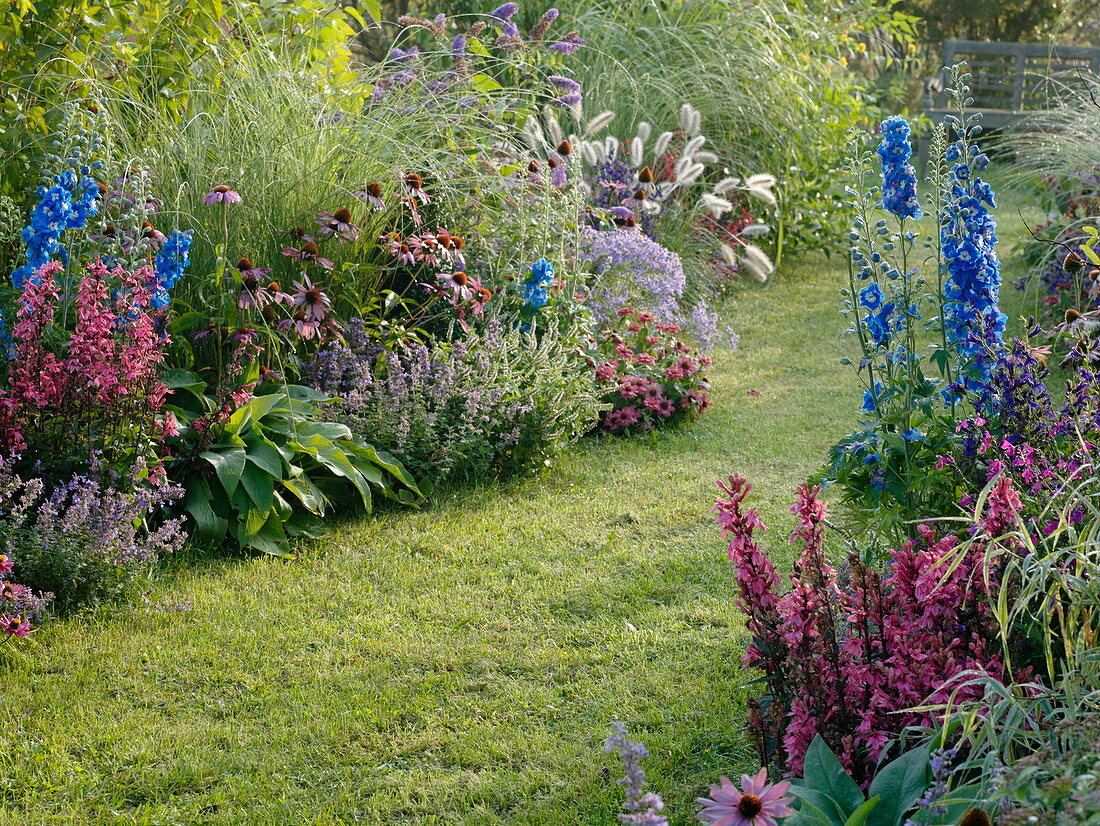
(634, 271)
(494, 402)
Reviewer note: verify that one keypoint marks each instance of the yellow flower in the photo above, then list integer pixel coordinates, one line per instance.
(861, 47)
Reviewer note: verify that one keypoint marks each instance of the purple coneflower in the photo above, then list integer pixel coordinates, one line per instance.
(756, 804)
(337, 225)
(15, 626)
(414, 185)
(298, 234)
(398, 249)
(221, 194)
(308, 253)
(461, 286)
(371, 194)
(303, 326)
(311, 300)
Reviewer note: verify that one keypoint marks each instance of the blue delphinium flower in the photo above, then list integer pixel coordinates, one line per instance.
(899, 178)
(871, 296)
(66, 205)
(535, 294)
(170, 265)
(973, 322)
(869, 398)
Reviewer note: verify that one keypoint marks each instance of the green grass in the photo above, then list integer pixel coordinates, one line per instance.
(460, 664)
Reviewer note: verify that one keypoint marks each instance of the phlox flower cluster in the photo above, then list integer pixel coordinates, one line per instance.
(650, 377)
(634, 271)
(846, 656)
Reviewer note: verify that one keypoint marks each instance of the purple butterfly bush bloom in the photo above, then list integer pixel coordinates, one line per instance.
(221, 194)
(565, 84)
(505, 12)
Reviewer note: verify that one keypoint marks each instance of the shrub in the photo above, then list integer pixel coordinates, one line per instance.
(650, 377)
(497, 401)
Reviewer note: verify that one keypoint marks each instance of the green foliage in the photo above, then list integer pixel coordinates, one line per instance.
(265, 472)
(1011, 20)
(828, 796)
(156, 52)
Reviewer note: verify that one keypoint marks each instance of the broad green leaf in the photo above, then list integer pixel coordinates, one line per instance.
(823, 772)
(898, 785)
(209, 527)
(259, 486)
(860, 815)
(228, 464)
(819, 801)
(264, 455)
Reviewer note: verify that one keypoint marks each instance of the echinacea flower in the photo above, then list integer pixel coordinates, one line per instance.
(756, 804)
(221, 194)
(399, 249)
(462, 287)
(6, 564)
(308, 253)
(246, 268)
(371, 194)
(311, 300)
(414, 185)
(337, 225)
(304, 327)
(15, 626)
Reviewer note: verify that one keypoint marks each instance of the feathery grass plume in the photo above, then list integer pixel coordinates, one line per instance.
(599, 123)
(637, 151)
(643, 130)
(756, 262)
(661, 146)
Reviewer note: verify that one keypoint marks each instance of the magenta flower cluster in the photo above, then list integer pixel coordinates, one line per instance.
(650, 377)
(849, 657)
(99, 394)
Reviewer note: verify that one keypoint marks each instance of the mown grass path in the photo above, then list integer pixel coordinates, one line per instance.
(461, 664)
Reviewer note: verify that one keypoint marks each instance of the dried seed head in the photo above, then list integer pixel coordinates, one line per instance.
(1073, 263)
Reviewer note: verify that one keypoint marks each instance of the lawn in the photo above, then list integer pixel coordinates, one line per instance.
(458, 664)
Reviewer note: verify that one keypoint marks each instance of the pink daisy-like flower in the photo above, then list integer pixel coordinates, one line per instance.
(221, 194)
(15, 626)
(311, 300)
(756, 804)
(414, 185)
(308, 253)
(462, 287)
(5, 564)
(337, 225)
(371, 194)
(607, 371)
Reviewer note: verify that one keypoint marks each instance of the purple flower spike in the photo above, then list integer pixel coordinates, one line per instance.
(505, 12)
(565, 84)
